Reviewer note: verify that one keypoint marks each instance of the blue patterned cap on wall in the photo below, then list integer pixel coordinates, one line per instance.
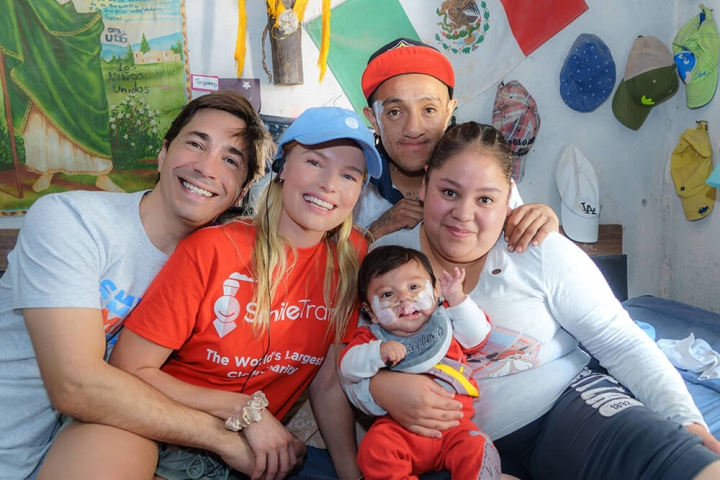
(587, 77)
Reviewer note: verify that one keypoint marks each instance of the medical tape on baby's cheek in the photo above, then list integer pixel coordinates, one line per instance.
(426, 298)
(383, 311)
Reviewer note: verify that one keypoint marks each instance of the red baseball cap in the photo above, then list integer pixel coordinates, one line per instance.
(402, 56)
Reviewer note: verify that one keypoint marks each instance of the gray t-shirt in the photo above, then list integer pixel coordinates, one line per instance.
(75, 250)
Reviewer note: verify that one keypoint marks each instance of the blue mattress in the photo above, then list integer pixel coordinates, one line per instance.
(676, 320)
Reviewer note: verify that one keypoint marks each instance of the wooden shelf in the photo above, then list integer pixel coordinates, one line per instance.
(609, 241)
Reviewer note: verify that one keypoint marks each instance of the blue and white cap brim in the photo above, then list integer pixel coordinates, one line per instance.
(324, 124)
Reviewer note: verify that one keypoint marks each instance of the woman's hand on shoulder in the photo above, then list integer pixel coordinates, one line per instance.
(529, 223)
(416, 402)
(276, 450)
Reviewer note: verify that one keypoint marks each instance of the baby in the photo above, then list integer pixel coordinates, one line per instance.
(411, 333)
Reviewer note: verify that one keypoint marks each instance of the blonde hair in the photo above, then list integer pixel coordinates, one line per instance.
(269, 261)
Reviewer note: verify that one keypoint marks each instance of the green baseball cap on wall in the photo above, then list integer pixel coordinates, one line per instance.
(649, 80)
(697, 48)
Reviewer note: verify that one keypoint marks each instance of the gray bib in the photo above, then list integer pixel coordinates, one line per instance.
(425, 348)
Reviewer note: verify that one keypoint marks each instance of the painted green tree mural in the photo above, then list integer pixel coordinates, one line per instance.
(87, 108)
(144, 45)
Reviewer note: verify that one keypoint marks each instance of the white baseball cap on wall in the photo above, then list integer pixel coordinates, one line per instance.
(577, 183)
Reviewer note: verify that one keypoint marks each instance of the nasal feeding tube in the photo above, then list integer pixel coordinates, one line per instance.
(385, 311)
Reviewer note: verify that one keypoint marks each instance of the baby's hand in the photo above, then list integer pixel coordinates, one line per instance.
(391, 352)
(452, 286)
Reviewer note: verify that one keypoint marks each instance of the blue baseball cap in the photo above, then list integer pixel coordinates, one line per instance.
(324, 124)
(587, 77)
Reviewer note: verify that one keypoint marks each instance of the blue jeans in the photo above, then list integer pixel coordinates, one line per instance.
(317, 466)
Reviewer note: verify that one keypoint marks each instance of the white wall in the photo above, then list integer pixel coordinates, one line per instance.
(692, 249)
(629, 164)
(667, 255)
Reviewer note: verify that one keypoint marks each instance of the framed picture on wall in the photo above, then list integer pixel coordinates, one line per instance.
(89, 89)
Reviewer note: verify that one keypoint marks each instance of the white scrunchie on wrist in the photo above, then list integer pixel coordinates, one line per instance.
(252, 412)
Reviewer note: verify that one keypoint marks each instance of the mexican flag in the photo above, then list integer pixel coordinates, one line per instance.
(483, 39)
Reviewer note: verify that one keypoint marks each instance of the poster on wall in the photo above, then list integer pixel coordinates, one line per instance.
(483, 39)
(89, 90)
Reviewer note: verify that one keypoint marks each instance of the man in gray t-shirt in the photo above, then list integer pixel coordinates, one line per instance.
(82, 262)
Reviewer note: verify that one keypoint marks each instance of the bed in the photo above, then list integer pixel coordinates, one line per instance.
(669, 319)
(675, 320)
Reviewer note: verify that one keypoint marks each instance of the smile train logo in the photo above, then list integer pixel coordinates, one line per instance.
(227, 308)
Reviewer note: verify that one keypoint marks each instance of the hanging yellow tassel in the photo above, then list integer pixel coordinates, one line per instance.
(275, 8)
(299, 9)
(241, 35)
(325, 42)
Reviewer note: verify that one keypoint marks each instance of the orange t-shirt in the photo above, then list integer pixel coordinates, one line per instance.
(200, 305)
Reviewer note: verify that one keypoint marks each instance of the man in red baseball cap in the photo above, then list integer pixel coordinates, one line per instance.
(409, 88)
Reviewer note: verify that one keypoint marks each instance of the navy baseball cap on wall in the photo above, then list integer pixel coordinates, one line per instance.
(324, 124)
(587, 77)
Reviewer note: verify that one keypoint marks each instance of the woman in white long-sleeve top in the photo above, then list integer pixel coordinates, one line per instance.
(550, 416)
